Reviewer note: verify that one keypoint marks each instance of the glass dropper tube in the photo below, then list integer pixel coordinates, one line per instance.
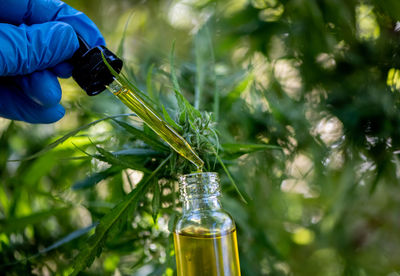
(151, 118)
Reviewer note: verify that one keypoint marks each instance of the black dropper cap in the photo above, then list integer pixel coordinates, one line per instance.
(90, 71)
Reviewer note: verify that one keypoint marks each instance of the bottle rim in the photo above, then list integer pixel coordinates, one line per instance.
(198, 174)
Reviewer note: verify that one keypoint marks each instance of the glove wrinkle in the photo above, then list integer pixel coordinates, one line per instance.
(42, 87)
(36, 47)
(15, 105)
(28, 12)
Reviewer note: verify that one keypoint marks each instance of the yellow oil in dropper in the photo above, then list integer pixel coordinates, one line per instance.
(155, 122)
(96, 68)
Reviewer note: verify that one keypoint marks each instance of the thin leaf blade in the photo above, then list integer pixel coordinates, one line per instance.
(109, 222)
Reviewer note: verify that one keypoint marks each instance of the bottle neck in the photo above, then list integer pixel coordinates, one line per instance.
(200, 192)
(201, 204)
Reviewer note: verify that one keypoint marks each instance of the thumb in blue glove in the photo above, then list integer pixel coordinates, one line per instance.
(32, 56)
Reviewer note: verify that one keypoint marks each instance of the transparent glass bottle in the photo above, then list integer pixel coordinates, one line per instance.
(205, 235)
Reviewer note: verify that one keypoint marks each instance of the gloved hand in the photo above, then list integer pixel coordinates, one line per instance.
(37, 37)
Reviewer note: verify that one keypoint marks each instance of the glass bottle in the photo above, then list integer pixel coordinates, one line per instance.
(205, 235)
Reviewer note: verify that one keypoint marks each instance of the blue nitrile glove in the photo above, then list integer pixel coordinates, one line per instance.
(36, 39)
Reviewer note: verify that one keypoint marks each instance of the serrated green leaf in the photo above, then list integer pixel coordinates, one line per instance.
(128, 84)
(173, 73)
(112, 219)
(181, 101)
(171, 222)
(17, 224)
(230, 177)
(110, 222)
(149, 84)
(120, 51)
(5, 148)
(69, 135)
(150, 133)
(173, 162)
(236, 92)
(170, 120)
(182, 117)
(95, 178)
(139, 134)
(136, 152)
(111, 159)
(138, 157)
(204, 55)
(183, 104)
(156, 200)
(71, 236)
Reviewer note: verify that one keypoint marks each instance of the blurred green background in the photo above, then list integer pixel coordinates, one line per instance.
(319, 78)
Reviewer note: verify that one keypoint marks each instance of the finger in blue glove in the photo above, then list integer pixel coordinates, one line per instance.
(41, 87)
(44, 44)
(16, 105)
(25, 49)
(63, 70)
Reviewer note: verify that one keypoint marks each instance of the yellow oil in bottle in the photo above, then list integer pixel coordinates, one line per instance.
(206, 255)
(156, 123)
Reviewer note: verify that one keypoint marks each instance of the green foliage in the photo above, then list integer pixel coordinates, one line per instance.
(17, 224)
(111, 223)
(294, 103)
